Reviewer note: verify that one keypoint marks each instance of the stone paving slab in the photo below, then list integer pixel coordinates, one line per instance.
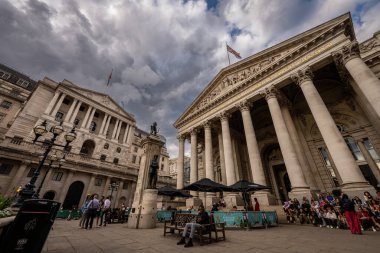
(67, 237)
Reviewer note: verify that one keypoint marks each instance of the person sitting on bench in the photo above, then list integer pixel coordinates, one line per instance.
(202, 218)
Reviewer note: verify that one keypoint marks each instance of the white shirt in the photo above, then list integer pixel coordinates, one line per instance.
(107, 203)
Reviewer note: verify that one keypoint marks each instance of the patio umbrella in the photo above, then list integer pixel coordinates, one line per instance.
(245, 186)
(207, 185)
(172, 192)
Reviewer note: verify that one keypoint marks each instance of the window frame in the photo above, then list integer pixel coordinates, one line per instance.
(6, 104)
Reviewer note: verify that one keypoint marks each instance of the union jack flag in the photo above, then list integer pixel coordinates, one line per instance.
(229, 49)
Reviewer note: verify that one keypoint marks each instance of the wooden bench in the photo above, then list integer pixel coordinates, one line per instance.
(178, 223)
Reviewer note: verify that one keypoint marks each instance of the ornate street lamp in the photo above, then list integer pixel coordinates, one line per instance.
(28, 191)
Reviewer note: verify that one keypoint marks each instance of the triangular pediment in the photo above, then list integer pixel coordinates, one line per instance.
(262, 62)
(100, 98)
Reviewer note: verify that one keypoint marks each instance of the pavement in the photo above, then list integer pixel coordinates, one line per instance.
(67, 237)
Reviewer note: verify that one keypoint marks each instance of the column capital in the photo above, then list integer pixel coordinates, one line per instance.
(270, 92)
(181, 137)
(194, 131)
(244, 105)
(224, 116)
(302, 75)
(207, 124)
(348, 52)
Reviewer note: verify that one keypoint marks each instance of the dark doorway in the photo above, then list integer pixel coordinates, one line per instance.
(73, 195)
(368, 175)
(282, 180)
(49, 195)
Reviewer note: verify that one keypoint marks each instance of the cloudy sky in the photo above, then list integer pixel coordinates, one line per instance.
(163, 52)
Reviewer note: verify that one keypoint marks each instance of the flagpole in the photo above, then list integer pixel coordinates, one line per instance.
(229, 63)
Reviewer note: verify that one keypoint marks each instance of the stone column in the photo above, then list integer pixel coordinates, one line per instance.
(227, 145)
(366, 80)
(71, 109)
(89, 109)
(253, 148)
(118, 130)
(76, 112)
(180, 161)
(298, 146)
(15, 183)
(105, 188)
(209, 169)
(221, 154)
(371, 163)
(118, 194)
(353, 180)
(194, 159)
(103, 124)
(88, 188)
(293, 167)
(52, 102)
(107, 125)
(90, 118)
(115, 129)
(58, 105)
(131, 132)
(66, 186)
(125, 133)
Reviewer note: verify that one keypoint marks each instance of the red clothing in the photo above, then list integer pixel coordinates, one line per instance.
(257, 207)
(353, 222)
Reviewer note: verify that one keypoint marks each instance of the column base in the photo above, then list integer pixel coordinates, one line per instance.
(300, 193)
(357, 189)
(210, 200)
(194, 202)
(233, 199)
(145, 214)
(265, 198)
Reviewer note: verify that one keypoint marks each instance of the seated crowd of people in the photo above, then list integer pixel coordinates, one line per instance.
(338, 212)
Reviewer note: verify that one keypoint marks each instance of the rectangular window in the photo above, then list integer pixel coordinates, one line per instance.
(5, 168)
(103, 157)
(31, 172)
(98, 181)
(4, 75)
(6, 104)
(22, 83)
(115, 160)
(134, 159)
(57, 176)
(330, 169)
(59, 116)
(371, 150)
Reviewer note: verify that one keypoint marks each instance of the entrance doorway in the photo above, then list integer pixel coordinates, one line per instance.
(282, 181)
(73, 195)
(368, 175)
(49, 195)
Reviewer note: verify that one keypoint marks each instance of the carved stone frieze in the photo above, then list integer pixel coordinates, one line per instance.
(369, 45)
(302, 75)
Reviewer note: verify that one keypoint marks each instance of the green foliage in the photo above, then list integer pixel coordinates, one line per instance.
(5, 202)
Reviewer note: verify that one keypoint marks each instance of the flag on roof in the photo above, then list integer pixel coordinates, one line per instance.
(109, 78)
(230, 50)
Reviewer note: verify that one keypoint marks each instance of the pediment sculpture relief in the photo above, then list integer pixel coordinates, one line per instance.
(369, 45)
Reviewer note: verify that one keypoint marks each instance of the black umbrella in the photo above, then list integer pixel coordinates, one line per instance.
(172, 192)
(207, 185)
(245, 186)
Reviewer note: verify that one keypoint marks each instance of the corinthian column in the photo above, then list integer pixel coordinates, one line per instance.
(180, 161)
(366, 80)
(208, 151)
(292, 164)
(194, 159)
(348, 170)
(227, 145)
(253, 148)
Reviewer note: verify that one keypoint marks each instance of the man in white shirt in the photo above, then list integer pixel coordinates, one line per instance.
(106, 211)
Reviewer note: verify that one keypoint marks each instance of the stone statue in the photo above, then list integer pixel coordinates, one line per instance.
(153, 173)
(153, 128)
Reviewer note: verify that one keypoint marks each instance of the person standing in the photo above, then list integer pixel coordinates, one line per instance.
(106, 211)
(257, 205)
(348, 208)
(84, 212)
(99, 211)
(91, 211)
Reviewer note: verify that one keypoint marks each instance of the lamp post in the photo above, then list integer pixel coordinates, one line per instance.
(113, 187)
(28, 191)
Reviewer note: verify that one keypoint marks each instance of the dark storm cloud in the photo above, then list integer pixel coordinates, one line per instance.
(163, 53)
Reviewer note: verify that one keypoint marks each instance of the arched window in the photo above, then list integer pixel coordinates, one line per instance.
(354, 148)
(87, 147)
(92, 126)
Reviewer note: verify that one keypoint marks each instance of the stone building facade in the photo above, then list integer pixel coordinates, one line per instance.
(173, 162)
(106, 149)
(300, 117)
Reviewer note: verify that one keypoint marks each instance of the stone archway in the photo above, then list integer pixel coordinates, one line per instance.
(87, 148)
(73, 195)
(49, 195)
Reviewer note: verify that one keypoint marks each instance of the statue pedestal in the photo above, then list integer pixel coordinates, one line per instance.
(145, 216)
